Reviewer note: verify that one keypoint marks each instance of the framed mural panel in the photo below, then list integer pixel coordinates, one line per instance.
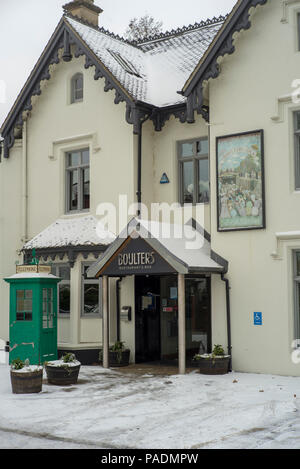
(240, 181)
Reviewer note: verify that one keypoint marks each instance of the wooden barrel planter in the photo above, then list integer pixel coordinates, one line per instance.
(214, 366)
(62, 375)
(26, 382)
(117, 359)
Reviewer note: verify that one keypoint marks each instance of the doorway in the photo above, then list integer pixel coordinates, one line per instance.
(156, 318)
(147, 318)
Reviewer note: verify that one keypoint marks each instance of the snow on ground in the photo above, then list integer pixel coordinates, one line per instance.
(110, 409)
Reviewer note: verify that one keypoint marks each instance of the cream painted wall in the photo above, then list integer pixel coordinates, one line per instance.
(244, 98)
(165, 161)
(54, 127)
(10, 228)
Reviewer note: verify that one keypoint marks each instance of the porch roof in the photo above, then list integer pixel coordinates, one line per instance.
(184, 247)
(70, 237)
(71, 231)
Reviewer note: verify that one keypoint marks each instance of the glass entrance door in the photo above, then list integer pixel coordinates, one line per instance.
(147, 319)
(157, 318)
(169, 318)
(198, 317)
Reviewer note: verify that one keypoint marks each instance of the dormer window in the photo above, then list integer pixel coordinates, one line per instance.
(125, 64)
(77, 88)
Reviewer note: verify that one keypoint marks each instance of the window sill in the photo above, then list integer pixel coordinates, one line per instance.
(91, 316)
(76, 102)
(193, 204)
(77, 213)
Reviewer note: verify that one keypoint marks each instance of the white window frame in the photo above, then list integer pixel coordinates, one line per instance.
(90, 281)
(195, 158)
(296, 281)
(62, 283)
(74, 90)
(80, 168)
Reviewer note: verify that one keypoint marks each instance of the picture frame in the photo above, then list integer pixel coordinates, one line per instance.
(240, 181)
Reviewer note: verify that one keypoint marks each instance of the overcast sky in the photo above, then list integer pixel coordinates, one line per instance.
(26, 26)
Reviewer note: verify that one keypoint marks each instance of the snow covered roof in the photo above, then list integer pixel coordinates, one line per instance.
(162, 64)
(31, 275)
(182, 246)
(190, 246)
(75, 231)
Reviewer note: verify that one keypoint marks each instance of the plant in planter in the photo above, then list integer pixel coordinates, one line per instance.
(215, 363)
(64, 371)
(25, 378)
(118, 355)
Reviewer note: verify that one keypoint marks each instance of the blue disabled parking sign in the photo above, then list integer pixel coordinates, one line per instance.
(258, 319)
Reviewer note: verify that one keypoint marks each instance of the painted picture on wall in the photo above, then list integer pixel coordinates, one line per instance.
(240, 181)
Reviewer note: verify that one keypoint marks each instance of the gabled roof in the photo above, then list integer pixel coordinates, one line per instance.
(163, 64)
(184, 248)
(223, 43)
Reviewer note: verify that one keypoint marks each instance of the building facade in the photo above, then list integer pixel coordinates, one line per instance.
(100, 120)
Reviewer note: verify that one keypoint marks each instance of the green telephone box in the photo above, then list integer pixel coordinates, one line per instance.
(33, 314)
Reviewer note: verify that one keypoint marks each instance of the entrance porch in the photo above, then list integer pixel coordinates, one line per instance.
(171, 303)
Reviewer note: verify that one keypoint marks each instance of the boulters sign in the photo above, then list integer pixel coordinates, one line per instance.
(137, 258)
(146, 259)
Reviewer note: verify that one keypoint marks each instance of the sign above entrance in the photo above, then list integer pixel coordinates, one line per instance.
(136, 257)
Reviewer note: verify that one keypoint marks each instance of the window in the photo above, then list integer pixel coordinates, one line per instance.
(193, 171)
(78, 180)
(63, 271)
(77, 88)
(297, 294)
(125, 64)
(24, 305)
(297, 149)
(91, 294)
(48, 311)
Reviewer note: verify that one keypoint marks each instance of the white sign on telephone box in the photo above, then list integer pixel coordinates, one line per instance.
(3, 353)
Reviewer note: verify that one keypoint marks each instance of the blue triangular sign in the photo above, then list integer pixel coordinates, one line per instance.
(164, 179)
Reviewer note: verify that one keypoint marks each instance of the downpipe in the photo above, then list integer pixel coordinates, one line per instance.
(139, 169)
(228, 315)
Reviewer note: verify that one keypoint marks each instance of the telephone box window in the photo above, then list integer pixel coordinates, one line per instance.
(48, 308)
(24, 305)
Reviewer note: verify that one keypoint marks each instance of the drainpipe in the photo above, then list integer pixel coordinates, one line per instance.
(118, 289)
(228, 314)
(24, 185)
(139, 169)
(105, 322)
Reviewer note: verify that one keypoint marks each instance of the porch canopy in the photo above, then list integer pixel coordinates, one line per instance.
(70, 237)
(153, 248)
